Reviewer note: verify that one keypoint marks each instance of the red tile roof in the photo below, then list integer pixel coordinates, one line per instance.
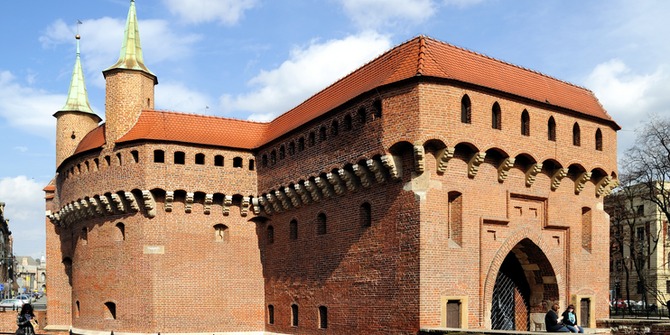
(421, 56)
(93, 140)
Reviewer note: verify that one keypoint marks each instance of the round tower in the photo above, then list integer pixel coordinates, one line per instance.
(76, 118)
(129, 84)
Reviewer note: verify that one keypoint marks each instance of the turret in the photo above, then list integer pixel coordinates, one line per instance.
(76, 118)
(129, 84)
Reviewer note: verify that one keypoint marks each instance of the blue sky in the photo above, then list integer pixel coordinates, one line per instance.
(254, 59)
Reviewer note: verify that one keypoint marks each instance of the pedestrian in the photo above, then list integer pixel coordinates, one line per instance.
(570, 320)
(553, 322)
(25, 320)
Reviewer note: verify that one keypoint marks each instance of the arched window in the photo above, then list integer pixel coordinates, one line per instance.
(496, 116)
(159, 157)
(551, 129)
(237, 162)
(455, 217)
(525, 123)
(120, 233)
(273, 157)
(218, 160)
(294, 315)
(323, 317)
(322, 133)
(134, 153)
(301, 144)
(334, 128)
(377, 108)
(293, 229)
(110, 310)
(321, 224)
(362, 117)
(365, 213)
(291, 148)
(220, 233)
(466, 109)
(271, 235)
(179, 157)
(200, 159)
(252, 164)
(599, 140)
(576, 135)
(282, 152)
(347, 122)
(264, 160)
(312, 139)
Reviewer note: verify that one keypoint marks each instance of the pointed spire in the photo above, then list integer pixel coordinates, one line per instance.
(131, 50)
(77, 98)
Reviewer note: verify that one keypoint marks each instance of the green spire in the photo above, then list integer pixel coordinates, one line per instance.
(77, 98)
(131, 50)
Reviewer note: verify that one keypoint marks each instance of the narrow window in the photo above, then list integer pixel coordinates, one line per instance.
(323, 317)
(252, 164)
(293, 229)
(586, 228)
(179, 157)
(108, 161)
(271, 234)
(301, 144)
(525, 123)
(366, 215)
(273, 157)
(599, 140)
(576, 135)
(118, 158)
(120, 233)
(78, 310)
(362, 117)
(551, 129)
(466, 109)
(334, 128)
(282, 152)
(271, 314)
(135, 154)
(110, 310)
(84, 236)
(264, 160)
(455, 211)
(218, 160)
(321, 224)
(200, 159)
(96, 163)
(291, 148)
(347, 122)
(496, 116)
(312, 138)
(220, 233)
(294, 315)
(159, 156)
(237, 162)
(377, 108)
(88, 168)
(322, 134)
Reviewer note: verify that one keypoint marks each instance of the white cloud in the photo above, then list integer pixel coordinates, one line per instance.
(226, 12)
(27, 108)
(177, 97)
(24, 207)
(461, 3)
(308, 70)
(377, 13)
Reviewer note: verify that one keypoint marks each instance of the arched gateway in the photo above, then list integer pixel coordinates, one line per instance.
(525, 280)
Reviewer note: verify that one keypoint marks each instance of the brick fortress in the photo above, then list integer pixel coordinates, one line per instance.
(432, 187)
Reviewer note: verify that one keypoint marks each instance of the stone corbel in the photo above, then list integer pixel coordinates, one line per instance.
(292, 195)
(394, 167)
(611, 186)
(266, 205)
(300, 189)
(442, 158)
(323, 186)
(225, 206)
(532, 172)
(557, 177)
(255, 206)
(349, 179)
(504, 167)
(244, 206)
(76, 212)
(97, 206)
(188, 202)
(169, 199)
(116, 200)
(107, 204)
(274, 202)
(376, 168)
(283, 199)
(130, 197)
(474, 163)
(361, 172)
(313, 190)
(581, 181)
(86, 209)
(209, 199)
(419, 158)
(149, 203)
(335, 180)
(602, 185)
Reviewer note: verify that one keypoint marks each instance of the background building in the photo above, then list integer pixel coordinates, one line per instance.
(432, 187)
(30, 274)
(6, 255)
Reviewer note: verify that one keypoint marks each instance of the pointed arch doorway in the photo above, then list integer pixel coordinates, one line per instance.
(524, 281)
